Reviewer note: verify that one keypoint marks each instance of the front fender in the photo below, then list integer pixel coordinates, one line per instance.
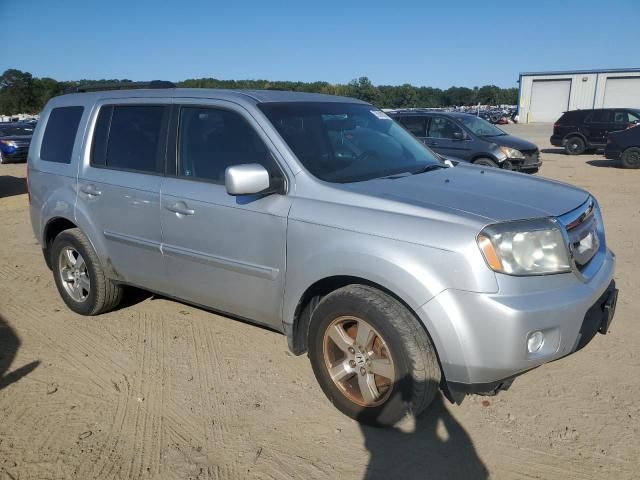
(412, 272)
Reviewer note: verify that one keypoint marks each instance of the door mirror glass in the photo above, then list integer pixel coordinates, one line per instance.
(247, 179)
(458, 135)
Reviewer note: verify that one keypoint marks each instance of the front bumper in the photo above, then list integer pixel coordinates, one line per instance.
(19, 155)
(482, 338)
(612, 152)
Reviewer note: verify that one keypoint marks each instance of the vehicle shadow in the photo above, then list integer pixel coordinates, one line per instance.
(604, 163)
(437, 448)
(559, 151)
(10, 186)
(9, 345)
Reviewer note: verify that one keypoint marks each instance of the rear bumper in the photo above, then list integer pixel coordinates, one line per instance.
(482, 338)
(557, 141)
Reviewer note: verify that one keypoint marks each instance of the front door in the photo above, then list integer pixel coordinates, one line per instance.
(119, 186)
(445, 137)
(224, 252)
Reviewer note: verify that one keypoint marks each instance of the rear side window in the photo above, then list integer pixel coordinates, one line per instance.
(130, 137)
(60, 134)
(576, 116)
(416, 125)
(601, 116)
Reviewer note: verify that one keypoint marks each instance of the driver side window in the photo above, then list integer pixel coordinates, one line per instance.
(441, 127)
(212, 139)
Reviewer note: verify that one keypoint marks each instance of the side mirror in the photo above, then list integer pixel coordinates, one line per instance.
(459, 135)
(247, 179)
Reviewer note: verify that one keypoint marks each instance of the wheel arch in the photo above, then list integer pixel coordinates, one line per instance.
(297, 331)
(52, 229)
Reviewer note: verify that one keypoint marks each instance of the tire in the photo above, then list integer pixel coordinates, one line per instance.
(398, 347)
(630, 158)
(575, 146)
(97, 296)
(485, 162)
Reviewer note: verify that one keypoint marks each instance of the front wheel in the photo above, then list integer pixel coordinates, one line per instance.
(371, 357)
(485, 162)
(630, 158)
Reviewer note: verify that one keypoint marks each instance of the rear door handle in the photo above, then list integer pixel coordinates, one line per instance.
(90, 190)
(181, 208)
(433, 144)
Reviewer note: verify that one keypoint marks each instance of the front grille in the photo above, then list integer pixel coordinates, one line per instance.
(583, 231)
(531, 157)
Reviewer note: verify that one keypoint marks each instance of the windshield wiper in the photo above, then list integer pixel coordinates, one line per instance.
(428, 168)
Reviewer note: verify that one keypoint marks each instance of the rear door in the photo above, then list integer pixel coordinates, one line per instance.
(599, 123)
(222, 251)
(119, 186)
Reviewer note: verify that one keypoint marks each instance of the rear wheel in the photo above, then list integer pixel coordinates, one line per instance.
(372, 358)
(485, 162)
(630, 158)
(575, 146)
(81, 282)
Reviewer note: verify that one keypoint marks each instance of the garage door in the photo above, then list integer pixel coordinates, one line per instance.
(622, 92)
(549, 99)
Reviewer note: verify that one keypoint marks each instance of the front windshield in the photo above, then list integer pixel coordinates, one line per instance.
(348, 142)
(479, 126)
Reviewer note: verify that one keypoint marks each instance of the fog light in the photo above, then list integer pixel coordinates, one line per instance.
(535, 341)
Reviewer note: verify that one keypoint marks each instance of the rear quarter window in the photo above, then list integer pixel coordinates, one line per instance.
(60, 134)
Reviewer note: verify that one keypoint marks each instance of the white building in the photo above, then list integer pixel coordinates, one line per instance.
(544, 96)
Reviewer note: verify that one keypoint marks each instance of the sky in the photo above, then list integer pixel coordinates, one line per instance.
(440, 43)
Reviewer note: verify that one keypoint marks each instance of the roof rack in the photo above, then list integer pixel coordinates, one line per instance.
(97, 87)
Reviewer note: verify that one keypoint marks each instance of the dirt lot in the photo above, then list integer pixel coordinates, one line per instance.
(159, 389)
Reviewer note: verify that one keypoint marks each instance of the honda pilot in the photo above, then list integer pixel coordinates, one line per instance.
(321, 218)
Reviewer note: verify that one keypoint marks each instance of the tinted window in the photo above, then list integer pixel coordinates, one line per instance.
(60, 134)
(348, 142)
(601, 116)
(441, 127)
(100, 137)
(210, 140)
(624, 117)
(416, 125)
(135, 138)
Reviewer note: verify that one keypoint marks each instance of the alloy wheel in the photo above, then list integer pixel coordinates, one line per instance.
(358, 361)
(74, 274)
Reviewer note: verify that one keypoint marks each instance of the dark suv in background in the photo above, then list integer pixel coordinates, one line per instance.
(581, 130)
(469, 138)
(15, 139)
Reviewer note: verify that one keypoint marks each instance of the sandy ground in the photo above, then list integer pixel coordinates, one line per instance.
(159, 389)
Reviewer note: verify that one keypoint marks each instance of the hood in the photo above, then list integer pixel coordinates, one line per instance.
(494, 194)
(511, 142)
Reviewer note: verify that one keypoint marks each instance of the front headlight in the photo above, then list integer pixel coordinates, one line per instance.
(529, 247)
(511, 152)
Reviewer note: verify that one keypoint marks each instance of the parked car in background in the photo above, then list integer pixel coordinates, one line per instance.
(322, 218)
(15, 139)
(580, 130)
(624, 146)
(470, 138)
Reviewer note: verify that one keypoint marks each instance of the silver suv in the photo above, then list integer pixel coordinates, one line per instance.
(322, 218)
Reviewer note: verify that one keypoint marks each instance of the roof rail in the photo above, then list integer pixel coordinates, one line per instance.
(98, 87)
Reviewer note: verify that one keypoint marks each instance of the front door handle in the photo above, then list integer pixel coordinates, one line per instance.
(90, 190)
(180, 208)
(433, 144)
